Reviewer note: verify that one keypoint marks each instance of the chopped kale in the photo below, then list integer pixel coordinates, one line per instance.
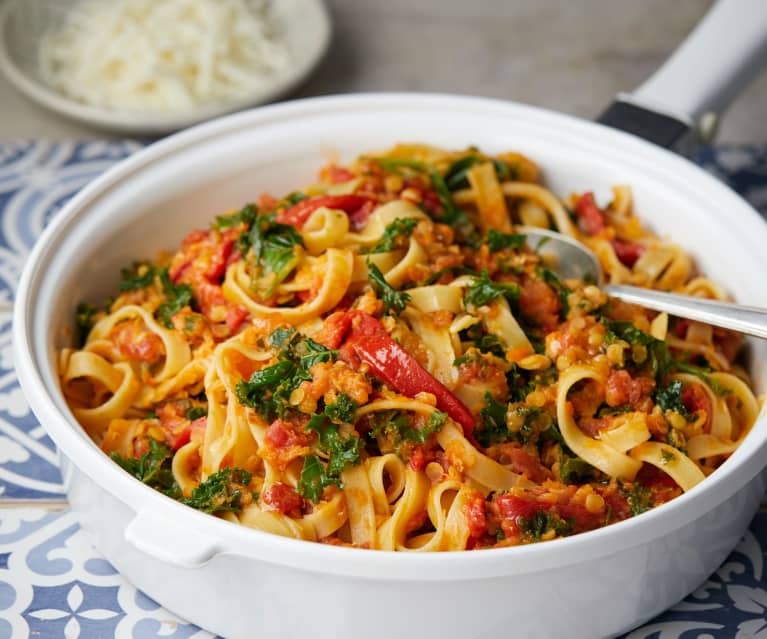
(393, 300)
(639, 498)
(574, 470)
(221, 492)
(196, 412)
(341, 452)
(451, 214)
(500, 241)
(542, 522)
(268, 390)
(394, 233)
(273, 247)
(493, 422)
(314, 479)
(140, 276)
(645, 347)
(552, 279)
(457, 175)
(153, 468)
(397, 427)
(484, 290)
(84, 320)
(670, 398)
(342, 410)
(177, 296)
(246, 215)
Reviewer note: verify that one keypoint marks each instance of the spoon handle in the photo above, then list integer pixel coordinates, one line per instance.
(744, 319)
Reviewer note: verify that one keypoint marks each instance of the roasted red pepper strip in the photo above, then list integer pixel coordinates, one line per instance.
(590, 218)
(367, 341)
(297, 214)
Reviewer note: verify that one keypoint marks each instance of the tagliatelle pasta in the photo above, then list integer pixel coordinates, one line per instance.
(382, 362)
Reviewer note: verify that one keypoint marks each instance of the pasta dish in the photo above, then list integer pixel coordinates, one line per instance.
(383, 360)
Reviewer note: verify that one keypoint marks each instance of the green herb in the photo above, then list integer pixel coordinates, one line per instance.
(268, 390)
(341, 452)
(451, 214)
(542, 522)
(645, 347)
(457, 175)
(84, 320)
(552, 279)
(493, 422)
(484, 290)
(177, 296)
(658, 353)
(500, 241)
(639, 498)
(291, 199)
(246, 215)
(153, 468)
(666, 456)
(139, 276)
(395, 231)
(393, 300)
(221, 492)
(574, 470)
(314, 479)
(342, 410)
(670, 398)
(273, 248)
(398, 429)
(196, 412)
(704, 374)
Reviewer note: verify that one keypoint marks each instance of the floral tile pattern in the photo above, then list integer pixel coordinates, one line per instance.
(54, 584)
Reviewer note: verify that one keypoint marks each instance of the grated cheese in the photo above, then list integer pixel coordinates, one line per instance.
(161, 55)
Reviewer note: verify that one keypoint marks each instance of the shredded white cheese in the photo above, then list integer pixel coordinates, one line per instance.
(161, 55)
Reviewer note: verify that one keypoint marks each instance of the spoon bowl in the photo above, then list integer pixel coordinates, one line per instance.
(571, 259)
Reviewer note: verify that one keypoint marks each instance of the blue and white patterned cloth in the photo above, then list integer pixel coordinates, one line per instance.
(54, 584)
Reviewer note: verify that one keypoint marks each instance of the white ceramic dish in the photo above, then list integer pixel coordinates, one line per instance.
(240, 582)
(304, 24)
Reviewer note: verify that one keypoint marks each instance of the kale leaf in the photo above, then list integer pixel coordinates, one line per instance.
(393, 300)
(342, 410)
(140, 276)
(177, 296)
(268, 390)
(395, 231)
(153, 468)
(670, 398)
(246, 215)
(498, 241)
(484, 290)
(457, 175)
(493, 420)
(542, 522)
(552, 279)
(221, 492)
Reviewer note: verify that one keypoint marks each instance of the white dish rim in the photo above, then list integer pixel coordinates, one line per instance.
(239, 540)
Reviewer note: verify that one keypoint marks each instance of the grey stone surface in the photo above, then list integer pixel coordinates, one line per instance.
(567, 55)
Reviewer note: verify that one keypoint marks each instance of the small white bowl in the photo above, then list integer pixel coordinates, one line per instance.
(304, 24)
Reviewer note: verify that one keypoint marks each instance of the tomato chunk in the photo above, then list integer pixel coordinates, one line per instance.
(283, 498)
(590, 217)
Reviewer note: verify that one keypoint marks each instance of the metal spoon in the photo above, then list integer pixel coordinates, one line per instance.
(572, 259)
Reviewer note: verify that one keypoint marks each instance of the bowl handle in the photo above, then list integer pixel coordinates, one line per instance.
(716, 61)
(165, 540)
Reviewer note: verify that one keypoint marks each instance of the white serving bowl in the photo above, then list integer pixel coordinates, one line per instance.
(242, 583)
(303, 24)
